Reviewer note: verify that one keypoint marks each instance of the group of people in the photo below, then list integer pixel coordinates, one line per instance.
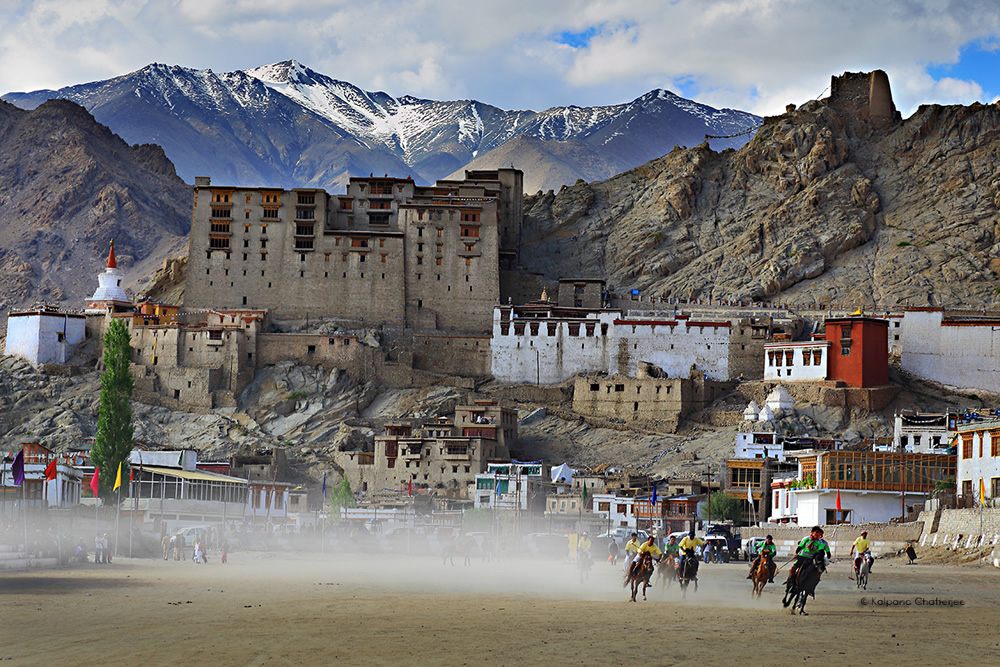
(102, 549)
(672, 550)
(175, 545)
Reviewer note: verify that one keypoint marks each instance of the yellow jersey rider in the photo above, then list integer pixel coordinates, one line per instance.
(808, 548)
(687, 547)
(650, 547)
(861, 546)
(584, 545)
(769, 548)
(631, 549)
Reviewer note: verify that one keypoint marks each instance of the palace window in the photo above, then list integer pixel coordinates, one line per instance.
(221, 212)
(270, 213)
(307, 198)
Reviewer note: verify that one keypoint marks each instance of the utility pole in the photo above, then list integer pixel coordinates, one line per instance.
(709, 496)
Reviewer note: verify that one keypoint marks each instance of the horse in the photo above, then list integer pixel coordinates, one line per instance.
(666, 570)
(761, 573)
(688, 572)
(640, 572)
(584, 562)
(864, 570)
(797, 590)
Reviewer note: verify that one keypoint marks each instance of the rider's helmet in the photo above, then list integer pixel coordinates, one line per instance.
(768, 538)
(585, 533)
(863, 533)
(691, 533)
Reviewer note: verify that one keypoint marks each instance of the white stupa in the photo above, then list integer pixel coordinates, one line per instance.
(765, 414)
(109, 294)
(781, 402)
(750, 414)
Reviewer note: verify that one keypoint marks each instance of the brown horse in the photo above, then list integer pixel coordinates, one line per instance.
(666, 570)
(639, 573)
(761, 574)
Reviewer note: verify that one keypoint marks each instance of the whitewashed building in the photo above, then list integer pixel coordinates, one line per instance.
(961, 352)
(617, 511)
(45, 336)
(543, 343)
(796, 362)
(510, 486)
(978, 461)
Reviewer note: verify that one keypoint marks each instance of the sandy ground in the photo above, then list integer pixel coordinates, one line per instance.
(269, 608)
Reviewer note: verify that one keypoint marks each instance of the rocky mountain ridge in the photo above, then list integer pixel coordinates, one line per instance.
(824, 205)
(68, 186)
(286, 125)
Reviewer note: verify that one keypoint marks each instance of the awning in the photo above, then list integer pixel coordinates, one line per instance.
(199, 475)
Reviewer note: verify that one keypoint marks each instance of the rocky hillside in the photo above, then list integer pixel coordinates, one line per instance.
(826, 204)
(68, 186)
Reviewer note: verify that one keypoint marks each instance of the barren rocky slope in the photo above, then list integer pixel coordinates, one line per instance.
(821, 206)
(317, 413)
(68, 186)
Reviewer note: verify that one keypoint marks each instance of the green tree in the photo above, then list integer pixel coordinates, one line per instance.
(724, 508)
(341, 496)
(113, 442)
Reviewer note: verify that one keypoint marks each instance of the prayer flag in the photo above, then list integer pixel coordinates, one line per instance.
(838, 500)
(982, 491)
(50, 471)
(749, 497)
(324, 486)
(585, 492)
(18, 468)
(118, 479)
(653, 497)
(94, 481)
(409, 489)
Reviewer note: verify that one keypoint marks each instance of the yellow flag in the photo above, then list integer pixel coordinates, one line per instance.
(118, 481)
(982, 491)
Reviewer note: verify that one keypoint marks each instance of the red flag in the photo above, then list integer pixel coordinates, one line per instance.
(838, 500)
(410, 490)
(94, 481)
(50, 471)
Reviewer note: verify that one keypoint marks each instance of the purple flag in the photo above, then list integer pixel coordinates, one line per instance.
(324, 486)
(18, 468)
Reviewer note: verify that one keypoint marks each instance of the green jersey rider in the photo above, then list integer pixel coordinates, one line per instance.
(807, 550)
(769, 548)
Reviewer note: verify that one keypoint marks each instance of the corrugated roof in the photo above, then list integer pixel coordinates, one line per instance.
(199, 475)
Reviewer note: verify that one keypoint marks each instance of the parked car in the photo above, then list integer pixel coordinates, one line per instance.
(623, 535)
(751, 547)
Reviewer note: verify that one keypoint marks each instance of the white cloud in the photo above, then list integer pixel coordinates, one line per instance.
(753, 55)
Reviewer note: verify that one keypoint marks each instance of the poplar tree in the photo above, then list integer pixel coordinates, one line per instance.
(113, 442)
(342, 496)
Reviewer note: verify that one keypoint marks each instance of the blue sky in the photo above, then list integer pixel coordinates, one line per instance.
(756, 55)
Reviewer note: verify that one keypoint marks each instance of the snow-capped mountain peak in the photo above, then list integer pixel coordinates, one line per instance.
(286, 124)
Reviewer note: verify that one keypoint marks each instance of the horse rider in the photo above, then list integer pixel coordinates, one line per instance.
(769, 548)
(671, 550)
(861, 546)
(584, 545)
(649, 546)
(631, 549)
(687, 547)
(808, 548)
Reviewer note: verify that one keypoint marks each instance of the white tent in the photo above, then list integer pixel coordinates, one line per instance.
(562, 473)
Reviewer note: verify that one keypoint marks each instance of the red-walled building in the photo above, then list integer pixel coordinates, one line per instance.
(859, 351)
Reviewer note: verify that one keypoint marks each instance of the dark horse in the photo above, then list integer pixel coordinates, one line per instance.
(639, 573)
(804, 584)
(688, 571)
(666, 570)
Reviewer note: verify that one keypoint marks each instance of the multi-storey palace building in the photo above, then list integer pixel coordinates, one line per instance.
(386, 252)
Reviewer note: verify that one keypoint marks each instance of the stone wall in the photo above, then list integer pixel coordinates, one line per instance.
(961, 528)
(467, 356)
(327, 350)
(529, 393)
